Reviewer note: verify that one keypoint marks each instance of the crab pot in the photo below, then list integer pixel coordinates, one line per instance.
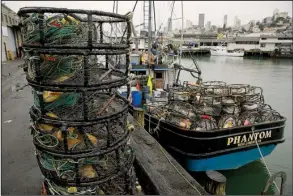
(121, 184)
(75, 138)
(228, 121)
(76, 68)
(208, 99)
(77, 105)
(214, 83)
(179, 95)
(249, 117)
(209, 109)
(238, 89)
(183, 108)
(206, 123)
(82, 169)
(267, 114)
(74, 28)
(214, 88)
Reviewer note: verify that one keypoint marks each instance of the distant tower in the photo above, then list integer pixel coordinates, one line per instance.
(225, 21)
(201, 20)
(208, 25)
(169, 25)
(235, 21)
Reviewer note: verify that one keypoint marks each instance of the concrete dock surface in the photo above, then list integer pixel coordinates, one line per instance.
(20, 171)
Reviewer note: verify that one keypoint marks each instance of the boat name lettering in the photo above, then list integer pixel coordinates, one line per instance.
(243, 140)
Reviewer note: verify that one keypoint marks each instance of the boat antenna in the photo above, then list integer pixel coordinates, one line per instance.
(181, 40)
(149, 35)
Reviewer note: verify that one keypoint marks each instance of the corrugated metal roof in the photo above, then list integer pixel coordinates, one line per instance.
(253, 39)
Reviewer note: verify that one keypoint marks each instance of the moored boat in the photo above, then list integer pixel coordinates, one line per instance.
(223, 51)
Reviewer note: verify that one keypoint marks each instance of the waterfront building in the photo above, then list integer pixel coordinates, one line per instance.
(208, 26)
(11, 36)
(201, 20)
(255, 29)
(283, 14)
(265, 42)
(188, 24)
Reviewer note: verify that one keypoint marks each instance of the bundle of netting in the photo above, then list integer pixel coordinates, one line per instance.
(122, 184)
(88, 168)
(56, 68)
(228, 121)
(205, 123)
(58, 29)
(57, 102)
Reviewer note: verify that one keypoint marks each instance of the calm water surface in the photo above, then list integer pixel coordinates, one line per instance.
(275, 77)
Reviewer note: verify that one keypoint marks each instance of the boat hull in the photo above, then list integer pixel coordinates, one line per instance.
(229, 161)
(214, 148)
(235, 54)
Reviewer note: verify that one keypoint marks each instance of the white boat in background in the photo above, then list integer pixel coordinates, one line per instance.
(223, 51)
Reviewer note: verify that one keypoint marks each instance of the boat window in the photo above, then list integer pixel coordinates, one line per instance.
(262, 45)
(159, 74)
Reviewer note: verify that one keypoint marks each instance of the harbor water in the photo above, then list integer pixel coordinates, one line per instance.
(275, 77)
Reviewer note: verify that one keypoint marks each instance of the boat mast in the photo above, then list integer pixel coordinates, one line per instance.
(149, 34)
(182, 21)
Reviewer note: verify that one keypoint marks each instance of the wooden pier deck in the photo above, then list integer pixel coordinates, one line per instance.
(159, 173)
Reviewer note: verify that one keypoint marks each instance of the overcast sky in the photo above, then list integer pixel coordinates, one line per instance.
(214, 10)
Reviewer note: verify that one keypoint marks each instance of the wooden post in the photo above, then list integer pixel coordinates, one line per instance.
(215, 183)
(138, 114)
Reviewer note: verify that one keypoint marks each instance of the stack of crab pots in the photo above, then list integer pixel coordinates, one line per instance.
(73, 60)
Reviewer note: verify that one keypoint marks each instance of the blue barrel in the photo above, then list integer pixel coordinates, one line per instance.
(136, 98)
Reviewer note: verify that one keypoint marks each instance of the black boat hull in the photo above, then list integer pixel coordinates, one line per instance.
(217, 150)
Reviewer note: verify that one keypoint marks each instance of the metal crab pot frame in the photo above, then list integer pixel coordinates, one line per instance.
(94, 23)
(79, 106)
(238, 89)
(77, 68)
(85, 169)
(67, 139)
(214, 83)
(121, 184)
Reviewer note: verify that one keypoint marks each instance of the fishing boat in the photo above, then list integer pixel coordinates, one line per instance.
(208, 125)
(223, 51)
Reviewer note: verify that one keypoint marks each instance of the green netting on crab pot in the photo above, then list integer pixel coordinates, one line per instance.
(59, 105)
(83, 139)
(57, 28)
(88, 168)
(56, 68)
(123, 184)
